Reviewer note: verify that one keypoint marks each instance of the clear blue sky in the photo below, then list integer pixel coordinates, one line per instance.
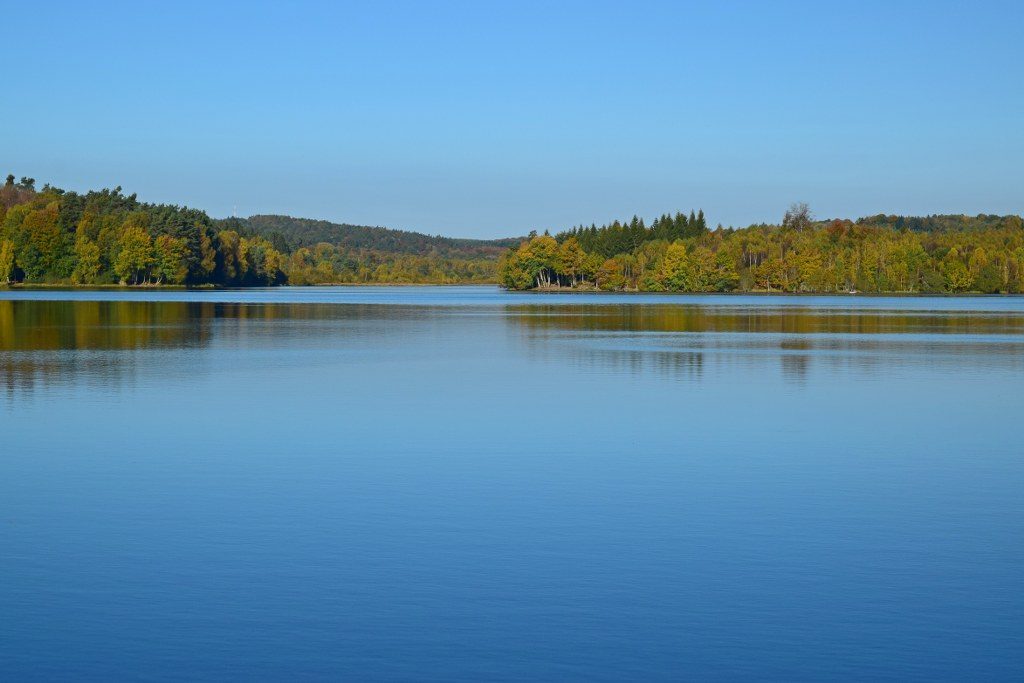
(474, 119)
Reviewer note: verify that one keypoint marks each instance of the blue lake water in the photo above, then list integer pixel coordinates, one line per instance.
(467, 484)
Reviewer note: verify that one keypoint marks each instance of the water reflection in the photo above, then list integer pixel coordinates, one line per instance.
(85, 325)
(56, 342)
(682, 341)
(60, 342)
(761, 319)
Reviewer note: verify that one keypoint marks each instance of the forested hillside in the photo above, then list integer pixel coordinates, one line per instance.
(54, 236)
(936, 223)
(939, 254)
(306, 232)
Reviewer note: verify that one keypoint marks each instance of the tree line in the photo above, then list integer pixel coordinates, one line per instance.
(104, 237)
(325, 263)
(107, 237)
(958, 254)
(623, 237)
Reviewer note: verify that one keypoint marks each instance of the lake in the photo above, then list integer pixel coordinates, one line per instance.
(466, 484)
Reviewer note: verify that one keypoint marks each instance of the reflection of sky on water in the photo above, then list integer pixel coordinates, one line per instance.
(198, 486)
(483, 296)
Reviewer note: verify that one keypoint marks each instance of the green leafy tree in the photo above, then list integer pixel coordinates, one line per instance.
(573, 260)
(232, 267)
(512, 270)
(87, 262)
(676, 273)
(6, 259)
(135, 255)
(958, 277)
(169, 259)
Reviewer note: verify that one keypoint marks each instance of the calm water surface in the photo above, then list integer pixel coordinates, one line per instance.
(465, 484)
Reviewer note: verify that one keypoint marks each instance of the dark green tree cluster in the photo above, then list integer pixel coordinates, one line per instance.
(800, 255)
(620, 237)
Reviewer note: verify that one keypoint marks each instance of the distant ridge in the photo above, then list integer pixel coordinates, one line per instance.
(308, 232)
(942, 222)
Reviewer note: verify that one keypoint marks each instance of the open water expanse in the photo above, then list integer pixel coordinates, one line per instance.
(466, 484)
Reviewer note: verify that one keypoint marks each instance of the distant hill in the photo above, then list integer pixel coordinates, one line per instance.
(307, 232)
(941, 222)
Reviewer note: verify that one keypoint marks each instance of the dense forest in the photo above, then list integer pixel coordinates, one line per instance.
(53, 236)
(938, 254)
(306, 232)
(103, 237)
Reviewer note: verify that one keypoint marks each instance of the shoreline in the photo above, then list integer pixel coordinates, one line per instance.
(210, 287)
(759, 292)
(536, 291)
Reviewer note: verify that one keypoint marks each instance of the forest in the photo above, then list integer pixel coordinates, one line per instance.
(306, 232)
(892, 254)
(58, 237)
